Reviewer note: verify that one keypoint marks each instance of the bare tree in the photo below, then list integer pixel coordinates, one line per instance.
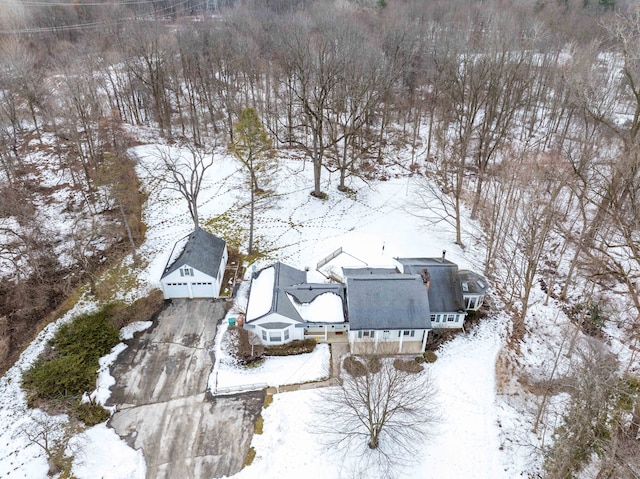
(54, 437)
(595, 423)
(184, 174)
(315, 61)
(379, 413)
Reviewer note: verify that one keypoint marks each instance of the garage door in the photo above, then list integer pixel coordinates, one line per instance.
(176, 290)
(202, 290)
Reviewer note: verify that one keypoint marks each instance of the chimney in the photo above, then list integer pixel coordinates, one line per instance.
(426, 278)
(444, 253)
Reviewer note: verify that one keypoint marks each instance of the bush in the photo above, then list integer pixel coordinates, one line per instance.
(70, 366)
(294, 347)
(251, 454)
(430, 356)
(62, 377)
(359, 366)
(407, 366)
(258, 428)
(354, 367)
(437, 337)
(91, 414)
(89, 335)
(419, 359)
(268, 399)
(373, 364)
(243, 345)
(143, 309)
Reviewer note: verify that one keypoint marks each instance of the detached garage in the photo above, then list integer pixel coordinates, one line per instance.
(198, 270)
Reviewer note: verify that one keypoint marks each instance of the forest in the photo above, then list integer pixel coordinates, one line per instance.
(526, 114)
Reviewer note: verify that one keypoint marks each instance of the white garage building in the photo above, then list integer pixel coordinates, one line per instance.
(198, 270)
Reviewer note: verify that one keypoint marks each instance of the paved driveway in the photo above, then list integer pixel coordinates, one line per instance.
(162, 407)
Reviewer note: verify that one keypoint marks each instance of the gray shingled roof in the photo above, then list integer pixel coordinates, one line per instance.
(387, 301)
(307, 292)
(368, 270)
(445, 288)
(284, 277)
(203, 251)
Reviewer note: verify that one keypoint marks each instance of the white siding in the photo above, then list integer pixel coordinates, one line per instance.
(447, 320)
(269, 336)
(175, 290)
(195, 285)
(392, 340)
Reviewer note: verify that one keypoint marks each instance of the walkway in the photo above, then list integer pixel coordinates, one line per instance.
(338, 351)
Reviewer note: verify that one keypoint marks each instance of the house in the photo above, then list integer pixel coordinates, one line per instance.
(283, 306)
(388, 312)
(198, 270)
(379, 309)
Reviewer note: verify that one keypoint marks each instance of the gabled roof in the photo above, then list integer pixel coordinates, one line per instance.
(445, 288)
(387, 301)
(307, 292)
(202, 251)
(289, 294)
(280, 276)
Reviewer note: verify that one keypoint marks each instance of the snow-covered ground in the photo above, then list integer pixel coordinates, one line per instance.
(465, 444)
(274, 371)
(373, 226)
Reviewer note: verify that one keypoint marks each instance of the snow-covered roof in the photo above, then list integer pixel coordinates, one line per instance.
(261, 294)
(267, 295)
(325, 308)
(281, 289)
(202, 251)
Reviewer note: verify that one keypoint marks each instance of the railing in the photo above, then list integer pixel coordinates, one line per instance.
(224, 391)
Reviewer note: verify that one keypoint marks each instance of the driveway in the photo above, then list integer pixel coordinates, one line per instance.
(161, 379)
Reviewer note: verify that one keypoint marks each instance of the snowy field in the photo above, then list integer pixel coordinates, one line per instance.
(373, 226)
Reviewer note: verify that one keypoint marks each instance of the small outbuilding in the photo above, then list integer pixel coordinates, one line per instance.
(197, 271)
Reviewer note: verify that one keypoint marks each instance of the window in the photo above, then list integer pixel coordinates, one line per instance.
(186, 271)
(365, 334)
(452, 317)
(275, 337)
(411, 333)
(264, 335)
(433, 317)
(286, 334)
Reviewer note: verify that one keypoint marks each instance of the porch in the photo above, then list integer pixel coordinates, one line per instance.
(331, 337)
(387, 347)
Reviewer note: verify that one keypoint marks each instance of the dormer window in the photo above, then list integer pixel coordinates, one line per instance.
(186, 271)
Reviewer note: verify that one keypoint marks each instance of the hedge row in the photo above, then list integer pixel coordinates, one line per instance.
(299, 346)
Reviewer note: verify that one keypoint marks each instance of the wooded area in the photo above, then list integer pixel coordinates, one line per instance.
(526, 113)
